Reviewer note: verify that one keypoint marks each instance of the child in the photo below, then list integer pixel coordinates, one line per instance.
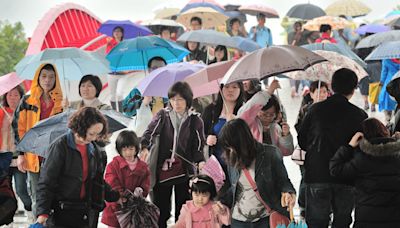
(202, 211)
(125, 172)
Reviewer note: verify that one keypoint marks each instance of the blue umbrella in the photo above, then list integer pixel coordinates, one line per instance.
(131, 30)
(294, 224)
(71, 63)
(393, 13)
(244, 44)
(202, 4)
(343, 50)
(372, 28)
(134, 54)
(387, 50)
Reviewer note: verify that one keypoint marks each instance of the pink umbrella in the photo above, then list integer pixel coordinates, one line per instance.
(213, 169)
(254, 9)
(206, 81)
(8, 82)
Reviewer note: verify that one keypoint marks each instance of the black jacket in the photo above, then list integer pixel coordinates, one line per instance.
(375, 167)
(327, 126)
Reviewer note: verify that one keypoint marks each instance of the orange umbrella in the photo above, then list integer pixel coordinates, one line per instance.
(335, 22)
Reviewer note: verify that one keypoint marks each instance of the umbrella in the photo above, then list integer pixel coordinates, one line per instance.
(387, 50)
(45, 132)
(354, 8)
(9, 82)
(372, 28)
(205, 81)
(213, 169)
(271, 61)
(254, 9)
(202, 4)
(156, 24)
(341, 49)
(379, 38)
(166, 12)
(159, 81)
(395, 22)
(335, 22)
(232, 11)
(305, 11)
(393, 13)
(244, 44)
(324, 71)
(134, 54)
(71, 63)
(206, 36)
(213, 2)
(210, 17)
(131, 30)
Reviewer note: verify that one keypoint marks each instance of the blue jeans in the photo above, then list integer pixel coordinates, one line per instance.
(33, 179)
(21, 187)
(262, 223)
(324, 198)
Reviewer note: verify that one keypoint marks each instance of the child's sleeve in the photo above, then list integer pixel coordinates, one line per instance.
(225, 219)
(145, 185)
(112, 179)
(181, 223)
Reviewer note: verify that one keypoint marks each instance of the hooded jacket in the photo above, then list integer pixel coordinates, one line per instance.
(28, 114)
(374, 168)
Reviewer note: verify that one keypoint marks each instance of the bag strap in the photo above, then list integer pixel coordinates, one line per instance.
(254, 187)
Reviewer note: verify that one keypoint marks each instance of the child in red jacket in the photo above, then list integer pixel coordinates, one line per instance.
(125, 172)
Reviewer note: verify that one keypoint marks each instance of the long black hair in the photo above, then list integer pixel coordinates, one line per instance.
(220, 48)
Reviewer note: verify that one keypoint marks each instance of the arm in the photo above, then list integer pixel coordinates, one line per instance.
(152, 130)
(302, 137)
(145, 185)
(342, 163)
(248, 112)
(19, 121)
(224, 218)
(111, 177)
(181, 222)
(269, 37)
(282, 179)
(252, 33)
(198, 140)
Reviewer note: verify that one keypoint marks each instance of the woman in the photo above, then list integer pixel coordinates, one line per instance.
(215, 115)
(244, 155)
(386, 104)
(10, 102)
(71, 182)
(220, 53)
(236, 29)
(181, 137)
(372, 160)
(89, 89)
(196, 54)
(117, 37)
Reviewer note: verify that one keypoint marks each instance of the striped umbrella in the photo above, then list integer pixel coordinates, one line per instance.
(387, 50)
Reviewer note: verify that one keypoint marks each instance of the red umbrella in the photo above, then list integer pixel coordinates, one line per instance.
(254, 9)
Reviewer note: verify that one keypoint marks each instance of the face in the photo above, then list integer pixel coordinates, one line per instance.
(13, 98)
(87, 90)
(92, 134)
(129, 153)
(195, 25)
(231, 92)
(178, 104)
(267, 116)
(200, 198)
(261, 20)
(47, 80)
(219, 55)
(117, 34)
(236, 26)
(297, 27)
(166, 34)
(246, 85)
(155, 64)
(192, 46)
(323, 94)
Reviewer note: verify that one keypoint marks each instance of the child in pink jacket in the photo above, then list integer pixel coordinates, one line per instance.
(202, 211)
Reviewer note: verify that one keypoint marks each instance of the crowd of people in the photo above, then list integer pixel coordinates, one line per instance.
(349, 160)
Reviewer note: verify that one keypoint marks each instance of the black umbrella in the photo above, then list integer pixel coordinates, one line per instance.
(305, 11)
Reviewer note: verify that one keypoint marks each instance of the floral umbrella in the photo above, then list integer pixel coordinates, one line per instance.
(335, 22)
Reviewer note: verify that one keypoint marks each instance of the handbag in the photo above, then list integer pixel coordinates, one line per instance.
(374, 91)
(298, 156)
(71, 214)
(152, 159)
(275, 218)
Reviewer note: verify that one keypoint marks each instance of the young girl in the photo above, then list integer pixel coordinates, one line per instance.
(202, 211)
(125, 172)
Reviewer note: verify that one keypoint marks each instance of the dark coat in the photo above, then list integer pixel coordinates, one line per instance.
(61, 179)
(270, 176)
(375, 167)
(327, 126)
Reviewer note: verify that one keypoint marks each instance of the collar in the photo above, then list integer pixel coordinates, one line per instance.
(325, 36)
(71, 143)
(192, 208)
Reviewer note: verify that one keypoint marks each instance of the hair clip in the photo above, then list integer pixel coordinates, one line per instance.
(195, 180)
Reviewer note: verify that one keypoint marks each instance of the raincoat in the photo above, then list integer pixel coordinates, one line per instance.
(389, 68)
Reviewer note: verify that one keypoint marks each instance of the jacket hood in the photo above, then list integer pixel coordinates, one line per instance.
(37, 91)
(381, 147)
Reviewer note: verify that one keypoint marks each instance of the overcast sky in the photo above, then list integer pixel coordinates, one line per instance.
(29, 12)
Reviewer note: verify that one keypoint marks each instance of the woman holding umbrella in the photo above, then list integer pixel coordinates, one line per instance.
(386, 104)
(196, 54)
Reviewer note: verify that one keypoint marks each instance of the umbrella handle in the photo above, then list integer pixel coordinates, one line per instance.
(291, 213)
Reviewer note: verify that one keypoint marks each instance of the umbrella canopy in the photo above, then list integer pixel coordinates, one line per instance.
(206, 36)
(271, 61)
(131, 30)
(305, 11)
(9, 82)
(206, 81)
(335, 22)
(134, 54)
(38, 139)
(354, 8)
(232, 11)
(387, 50)
(213, 169)
(160, 80)
(71, 63)
(156, 24)
(395, 22)
(372, 28)
(379, 38)
(343, 50)
(210, 17)
(324, 71)
(393, 13)
(166, 12)
(244, 44)
(254, 9)
(203, 4)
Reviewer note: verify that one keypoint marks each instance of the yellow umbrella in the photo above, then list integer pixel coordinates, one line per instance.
(354, 8)
(166, 12)
(335, 22)
(210, 17)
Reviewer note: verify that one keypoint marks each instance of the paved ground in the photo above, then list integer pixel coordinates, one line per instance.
(291, 105)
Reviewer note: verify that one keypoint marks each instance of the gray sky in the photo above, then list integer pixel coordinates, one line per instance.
(29, 12)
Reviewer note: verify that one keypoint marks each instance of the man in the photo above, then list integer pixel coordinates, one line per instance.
(296, 37)
(260, 33)
(165, 33)
(196, 23)
(326, 31)
(236, 29)
(327, 126)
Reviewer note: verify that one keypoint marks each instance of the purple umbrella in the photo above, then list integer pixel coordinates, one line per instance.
(158, 82)
(131, 30)
(372, 28)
